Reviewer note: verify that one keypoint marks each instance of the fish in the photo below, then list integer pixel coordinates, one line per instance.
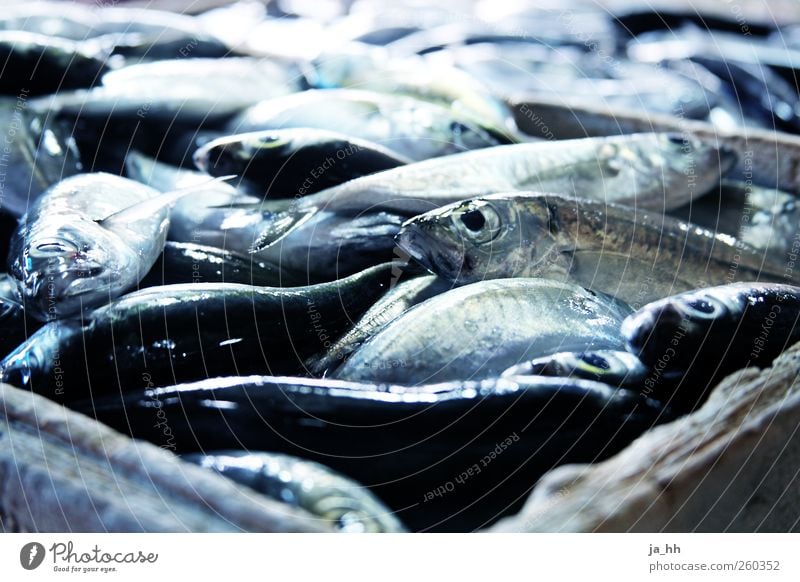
(766, 219)
(400, 298)
(327, 247)
(522, 69)
(763, 96)
(404, 443)
(85, 241)
(182, 333)
(192, 263)
(635, 256)
(71, 20)
(413, 128)
(217, 214)
(38, 64)
(479, 330)
(364, 67)
(175, 91)
(106, 481)
(15, 327)
(148, 34)
(40, 152)
(349, 227)
(131, 32)
(653, 171)
(615, 368)
(725, 328)
(339, 502)
(294, 162)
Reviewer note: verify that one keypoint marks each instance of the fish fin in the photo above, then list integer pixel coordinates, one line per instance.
(152, 205)
(279, 228)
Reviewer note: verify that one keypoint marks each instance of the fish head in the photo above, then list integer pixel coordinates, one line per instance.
(681, 166)
(482, 238)
(70, 264)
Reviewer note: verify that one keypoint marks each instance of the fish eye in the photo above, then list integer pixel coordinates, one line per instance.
(701, 305)
(595, 361)
(478, 221)
(53, 248)
(679, 140)
(473, 220)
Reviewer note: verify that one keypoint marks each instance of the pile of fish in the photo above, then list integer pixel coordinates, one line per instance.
(314, 253)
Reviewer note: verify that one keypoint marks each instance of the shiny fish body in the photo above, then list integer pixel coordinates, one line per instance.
(212, 215)
(413, 128)
(645, 170)
(285, 163)
(480, 330)
(371, 68)
(635, 256)
(181, 333)
(723, 328)
(193, 263)
(65, 258)
(523, 69)
(397, 301)
(36, 64)
(192, 91)
(40, 153)
(338, 501)
(402, 442)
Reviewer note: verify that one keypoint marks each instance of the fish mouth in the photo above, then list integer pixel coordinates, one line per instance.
(427, 251)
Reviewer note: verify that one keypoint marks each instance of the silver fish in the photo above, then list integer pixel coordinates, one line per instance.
(216, 214)
(79, 247)
(633, 255)
(339, 502)
(654, 171)
(411, 127)
(766, 219)
(397, 301)
(36, 154)
(191, 90)
(360, 66)
(480, 330)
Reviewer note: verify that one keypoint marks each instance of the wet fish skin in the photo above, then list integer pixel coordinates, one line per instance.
(212, 216)
(40, 153)
(725, 327)
(399, 299)
(413, 128)
(619, 169)
(523, 69)
(480, 330)
(286, 163)
(766, 219)
(70, 253)
(194, 92)
(402, 442)
(37, 64)
(193, 263)
(181, 333)
(644, 170)
(148, 34)
(615, 368)
(635, 256)
(359, 66)
(342, 503)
